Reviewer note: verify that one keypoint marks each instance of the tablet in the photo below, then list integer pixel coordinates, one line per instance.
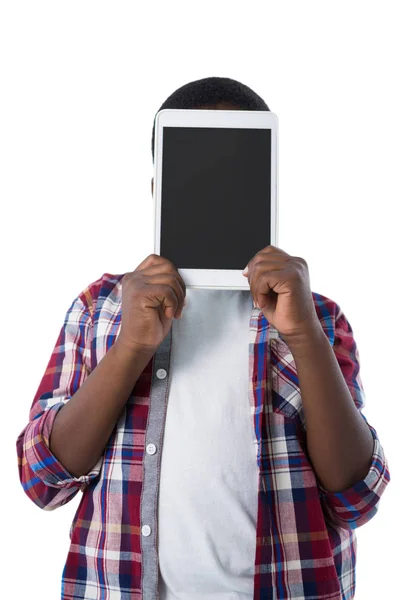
(215, 192)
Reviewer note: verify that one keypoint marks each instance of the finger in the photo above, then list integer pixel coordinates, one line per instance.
(174, 282)
(155, 260)
(167, 298)
(180, 290)
(262, 267)
(162, 266)
(152, 259)
(273, 250)
(267, 262)
(267, 287)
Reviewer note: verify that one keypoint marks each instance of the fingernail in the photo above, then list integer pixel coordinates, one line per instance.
(245, 271)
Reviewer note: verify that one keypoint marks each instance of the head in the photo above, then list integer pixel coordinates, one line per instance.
(211, 93)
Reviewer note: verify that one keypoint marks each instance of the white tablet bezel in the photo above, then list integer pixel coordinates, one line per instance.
(214, 278)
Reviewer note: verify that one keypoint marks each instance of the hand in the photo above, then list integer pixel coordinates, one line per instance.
(152, 295)
(280, 285)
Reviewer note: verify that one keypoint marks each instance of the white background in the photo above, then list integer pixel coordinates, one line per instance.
(80, 85)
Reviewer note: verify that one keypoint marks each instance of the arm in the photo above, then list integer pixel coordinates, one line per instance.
(339, 441)
(83, 427)
(73, 412)
(344, 449)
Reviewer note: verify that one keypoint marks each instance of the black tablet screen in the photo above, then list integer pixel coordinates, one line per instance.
(216, 195)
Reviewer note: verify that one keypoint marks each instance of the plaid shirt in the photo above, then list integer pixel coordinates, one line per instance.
(306, 540)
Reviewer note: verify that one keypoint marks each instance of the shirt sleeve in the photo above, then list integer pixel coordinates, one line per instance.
(356, 505)
(44, 479)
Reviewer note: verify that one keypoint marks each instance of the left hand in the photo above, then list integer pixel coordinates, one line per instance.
(280, 285)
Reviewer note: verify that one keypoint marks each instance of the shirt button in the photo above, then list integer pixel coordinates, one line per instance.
(146, 530)
(161, 373)
(151, 449)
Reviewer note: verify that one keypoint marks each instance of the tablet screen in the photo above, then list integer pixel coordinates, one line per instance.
(215, 196)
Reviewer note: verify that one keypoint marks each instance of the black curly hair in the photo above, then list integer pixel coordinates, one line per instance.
(208, 92)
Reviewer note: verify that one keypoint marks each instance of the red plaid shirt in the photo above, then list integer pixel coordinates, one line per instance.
(303, 550)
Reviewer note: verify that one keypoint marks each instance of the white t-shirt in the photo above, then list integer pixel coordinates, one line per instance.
(209, 476)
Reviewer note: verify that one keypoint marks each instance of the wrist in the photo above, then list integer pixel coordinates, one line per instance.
(132, 349)
(310, 338)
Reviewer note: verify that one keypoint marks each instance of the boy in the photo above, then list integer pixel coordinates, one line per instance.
(262, 467)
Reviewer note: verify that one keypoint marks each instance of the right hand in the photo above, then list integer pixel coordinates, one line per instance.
(152, 295)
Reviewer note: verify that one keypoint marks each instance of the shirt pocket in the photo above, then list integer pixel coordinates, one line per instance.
(284, 383)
